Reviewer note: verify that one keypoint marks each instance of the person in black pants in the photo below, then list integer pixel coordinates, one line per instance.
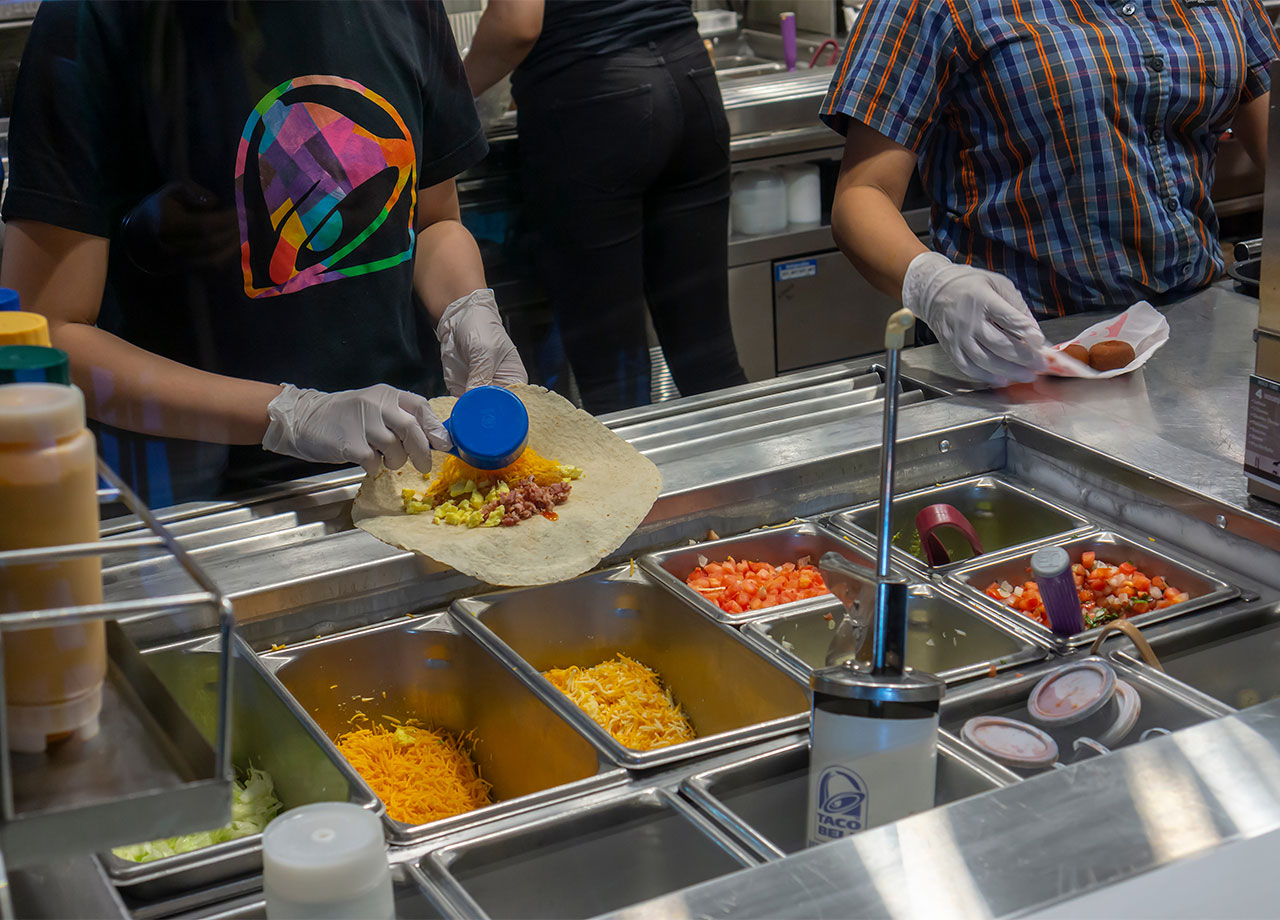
(624, 148)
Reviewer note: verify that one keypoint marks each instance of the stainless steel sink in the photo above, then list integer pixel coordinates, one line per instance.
(587, 860)
(422, 668)
(763, 800)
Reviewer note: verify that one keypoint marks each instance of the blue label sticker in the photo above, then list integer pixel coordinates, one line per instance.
(842, 802)
(790, 271)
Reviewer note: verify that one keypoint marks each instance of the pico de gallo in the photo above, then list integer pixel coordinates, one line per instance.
(1107, 592)
(737, 586)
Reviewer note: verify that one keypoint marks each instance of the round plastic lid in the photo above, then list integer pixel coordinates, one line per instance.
(1130, 708)
(9, 299)
(18, 328)
(1072, 693)
(34, 364)
(1050, 561)
(1010, 742)
(321, 853)
(38, 413)
(489, 426)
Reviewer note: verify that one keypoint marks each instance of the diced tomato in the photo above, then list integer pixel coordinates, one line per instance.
(738, 585)
(1128, 568)
(1140, 582)
(1087, 559)
(1158, 582)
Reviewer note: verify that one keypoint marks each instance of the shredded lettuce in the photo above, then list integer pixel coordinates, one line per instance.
(253, 805)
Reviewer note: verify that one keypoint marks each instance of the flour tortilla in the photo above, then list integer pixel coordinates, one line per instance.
(618, 487)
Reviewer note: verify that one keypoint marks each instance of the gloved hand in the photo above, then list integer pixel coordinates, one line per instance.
(979, 317)
(474, 347)
(376, 425)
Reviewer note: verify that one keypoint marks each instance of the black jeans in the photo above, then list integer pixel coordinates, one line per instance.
(625, 164)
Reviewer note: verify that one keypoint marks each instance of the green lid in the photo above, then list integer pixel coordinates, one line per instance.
(34, 364)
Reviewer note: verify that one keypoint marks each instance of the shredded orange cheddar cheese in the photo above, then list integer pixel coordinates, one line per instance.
(530, 463)
(421, 775)
(628, 700)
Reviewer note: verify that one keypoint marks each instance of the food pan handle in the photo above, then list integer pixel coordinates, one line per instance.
(1139, 641)
(933, 517)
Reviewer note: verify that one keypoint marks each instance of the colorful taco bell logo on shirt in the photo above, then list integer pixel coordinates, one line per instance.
(842, 803)
(326, 186)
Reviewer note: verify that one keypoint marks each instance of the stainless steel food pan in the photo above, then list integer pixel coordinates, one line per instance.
(1204, 587)
(775, 545)
(424, 669)
(729, 689)
(1003, 515)
(587, 860)
(946, 636)
(763, 801)
(1233, 659)
(1165, 704)
(416, 898)
(270, 732)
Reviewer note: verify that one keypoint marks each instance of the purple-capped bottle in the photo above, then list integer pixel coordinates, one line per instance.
(1051, 568)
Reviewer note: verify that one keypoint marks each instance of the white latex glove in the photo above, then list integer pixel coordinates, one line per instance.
(474, 347)
(376, 425)
(979, 317)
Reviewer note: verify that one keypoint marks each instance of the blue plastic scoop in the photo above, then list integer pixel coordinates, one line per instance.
(489, 427)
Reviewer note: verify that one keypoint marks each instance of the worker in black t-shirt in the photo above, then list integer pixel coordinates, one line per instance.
(233, 214)
(624, 157)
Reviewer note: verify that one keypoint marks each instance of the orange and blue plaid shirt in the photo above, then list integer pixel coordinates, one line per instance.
(1067, 144)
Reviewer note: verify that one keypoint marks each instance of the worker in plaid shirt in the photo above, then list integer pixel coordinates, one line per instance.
(1068, 148)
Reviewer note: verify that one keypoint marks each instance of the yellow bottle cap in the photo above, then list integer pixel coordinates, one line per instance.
(20, 328)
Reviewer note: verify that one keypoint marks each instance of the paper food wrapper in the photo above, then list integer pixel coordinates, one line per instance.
(1142, 326)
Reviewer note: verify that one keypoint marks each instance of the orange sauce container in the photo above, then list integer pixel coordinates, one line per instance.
(48, 496)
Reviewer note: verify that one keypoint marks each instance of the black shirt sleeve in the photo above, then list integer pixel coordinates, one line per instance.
(452, 136)
(70, 120)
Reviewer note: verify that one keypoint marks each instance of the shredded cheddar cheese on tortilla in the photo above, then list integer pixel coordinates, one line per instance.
(421, 775)
(628, 700)
(530, 463)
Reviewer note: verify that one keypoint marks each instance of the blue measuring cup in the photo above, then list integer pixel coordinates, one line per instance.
(489, 427)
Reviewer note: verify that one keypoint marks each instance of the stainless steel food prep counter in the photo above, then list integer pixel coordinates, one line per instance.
(1151, 461)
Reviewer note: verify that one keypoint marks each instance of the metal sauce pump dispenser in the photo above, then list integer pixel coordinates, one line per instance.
(874, 728)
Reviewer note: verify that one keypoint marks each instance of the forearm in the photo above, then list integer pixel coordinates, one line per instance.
(446, 266)
(504, 37)
(136, 390)
(870, 230)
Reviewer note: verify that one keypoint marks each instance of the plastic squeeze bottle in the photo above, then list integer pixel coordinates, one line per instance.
(48, 490)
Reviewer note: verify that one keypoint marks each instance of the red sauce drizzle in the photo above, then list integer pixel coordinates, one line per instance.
(551, 515)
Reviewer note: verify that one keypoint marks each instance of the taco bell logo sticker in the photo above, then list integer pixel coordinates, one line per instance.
(842, 803)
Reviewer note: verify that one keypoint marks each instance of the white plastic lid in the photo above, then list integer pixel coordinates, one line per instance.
(1130, 708)
(39, 413)
(1010, 742)
(1072, 693)
(323, 853)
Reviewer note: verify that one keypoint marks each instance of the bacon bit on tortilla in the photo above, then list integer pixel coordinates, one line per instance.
(421, 775)
(628, 700)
